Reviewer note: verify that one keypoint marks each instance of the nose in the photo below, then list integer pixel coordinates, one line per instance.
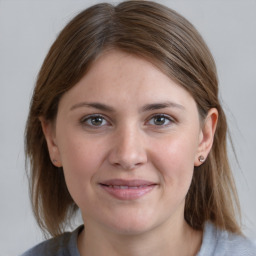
(128, 151)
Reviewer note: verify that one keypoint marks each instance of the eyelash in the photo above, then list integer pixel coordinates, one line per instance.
(85, 120)
(166, 118)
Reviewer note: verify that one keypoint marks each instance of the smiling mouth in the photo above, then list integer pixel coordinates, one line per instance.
(127, 189)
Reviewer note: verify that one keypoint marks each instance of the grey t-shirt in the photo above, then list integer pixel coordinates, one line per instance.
(215, 243)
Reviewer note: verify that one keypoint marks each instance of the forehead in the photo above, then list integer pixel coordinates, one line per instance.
(119, 77)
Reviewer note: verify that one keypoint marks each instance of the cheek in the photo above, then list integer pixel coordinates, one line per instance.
(174, 158)
(79, 153)
(81, 160)
(76, 157)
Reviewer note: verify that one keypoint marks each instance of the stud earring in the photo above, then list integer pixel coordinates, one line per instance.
(56, 163)
(201, 159)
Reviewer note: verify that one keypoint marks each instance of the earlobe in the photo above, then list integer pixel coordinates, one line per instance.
(49, 134)
(206, 136)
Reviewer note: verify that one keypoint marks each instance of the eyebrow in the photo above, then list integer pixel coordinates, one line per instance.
(155, 106)
(147, 107)
(96, 105)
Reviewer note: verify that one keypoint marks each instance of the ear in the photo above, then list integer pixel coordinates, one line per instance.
(50, 136)
(206, 136)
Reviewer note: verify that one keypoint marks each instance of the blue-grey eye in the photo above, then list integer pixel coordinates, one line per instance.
(95, 121)
(159, 120)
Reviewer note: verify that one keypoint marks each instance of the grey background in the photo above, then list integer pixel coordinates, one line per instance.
(28, 28)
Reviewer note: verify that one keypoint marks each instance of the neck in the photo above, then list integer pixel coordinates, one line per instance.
(176, 238)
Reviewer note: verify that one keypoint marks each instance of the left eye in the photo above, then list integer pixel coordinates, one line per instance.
(96, 121)
(160, 120)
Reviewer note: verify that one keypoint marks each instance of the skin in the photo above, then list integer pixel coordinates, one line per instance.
(130, 140)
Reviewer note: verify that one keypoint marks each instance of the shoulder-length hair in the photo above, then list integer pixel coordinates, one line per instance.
(168, 40)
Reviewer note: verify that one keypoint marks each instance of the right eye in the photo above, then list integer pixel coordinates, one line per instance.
(96, 121)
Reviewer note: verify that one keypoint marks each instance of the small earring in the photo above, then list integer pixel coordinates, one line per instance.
(201, 159)
(56, 163)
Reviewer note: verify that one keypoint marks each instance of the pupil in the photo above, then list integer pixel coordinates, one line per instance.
(97, 120)
(159, 120)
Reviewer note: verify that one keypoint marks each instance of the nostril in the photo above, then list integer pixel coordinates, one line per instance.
(126, 166)
(127, 153)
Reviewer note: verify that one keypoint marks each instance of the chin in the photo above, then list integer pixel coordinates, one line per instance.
(131, 229)
(135, 224)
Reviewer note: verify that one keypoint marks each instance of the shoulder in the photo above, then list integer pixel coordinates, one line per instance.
(63, 245)
(218, 242)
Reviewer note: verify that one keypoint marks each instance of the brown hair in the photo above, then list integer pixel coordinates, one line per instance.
(162, 36)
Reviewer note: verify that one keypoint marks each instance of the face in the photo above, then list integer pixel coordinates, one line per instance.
(128, 138)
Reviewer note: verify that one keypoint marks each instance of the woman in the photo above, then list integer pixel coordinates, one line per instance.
(125, 124)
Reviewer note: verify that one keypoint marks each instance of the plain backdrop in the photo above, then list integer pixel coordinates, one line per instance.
(28, 28)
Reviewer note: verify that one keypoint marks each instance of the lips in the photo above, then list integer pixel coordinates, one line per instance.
(124, 187)
(127, 189)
